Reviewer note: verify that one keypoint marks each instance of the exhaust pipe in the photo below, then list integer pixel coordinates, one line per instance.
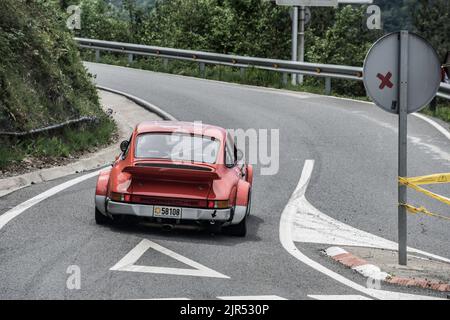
(167, 227)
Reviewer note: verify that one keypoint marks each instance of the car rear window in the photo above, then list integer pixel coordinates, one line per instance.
(177, 146)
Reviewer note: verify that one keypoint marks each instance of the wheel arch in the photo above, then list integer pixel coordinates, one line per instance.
(101, 190)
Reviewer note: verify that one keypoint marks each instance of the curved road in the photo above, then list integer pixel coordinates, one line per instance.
(353, 146)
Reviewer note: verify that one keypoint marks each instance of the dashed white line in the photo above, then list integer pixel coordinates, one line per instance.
(268, 297)
(338, 297)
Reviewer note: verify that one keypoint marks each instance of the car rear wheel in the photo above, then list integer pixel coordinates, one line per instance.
(100, 218)
(238, 230)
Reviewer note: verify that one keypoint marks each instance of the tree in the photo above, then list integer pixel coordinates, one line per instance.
(102, 21)
(431, 21)
(344, 43)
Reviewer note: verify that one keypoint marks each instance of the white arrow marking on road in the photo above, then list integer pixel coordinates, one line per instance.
(338, 297)
(299, 203)
(127, 263)
(312, 226)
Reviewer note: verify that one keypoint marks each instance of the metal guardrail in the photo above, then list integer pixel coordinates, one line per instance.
(444, 91)
(327, 71)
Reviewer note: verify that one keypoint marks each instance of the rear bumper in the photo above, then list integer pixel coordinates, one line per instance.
(195, 214)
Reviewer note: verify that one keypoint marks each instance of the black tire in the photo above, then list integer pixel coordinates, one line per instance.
(238, 230)
(100, 218)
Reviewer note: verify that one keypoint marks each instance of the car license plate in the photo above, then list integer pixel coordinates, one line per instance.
(167, 212)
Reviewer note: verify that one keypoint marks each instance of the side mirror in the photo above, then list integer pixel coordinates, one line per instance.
(239, 155)
(124, 145)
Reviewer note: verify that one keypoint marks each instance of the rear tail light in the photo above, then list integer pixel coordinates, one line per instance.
(120, 197)
(211, 204)
(218, 204)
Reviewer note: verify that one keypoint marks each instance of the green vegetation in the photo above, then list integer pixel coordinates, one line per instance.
(442, 110)
(258, 28)
(43, 82)
(69, 142)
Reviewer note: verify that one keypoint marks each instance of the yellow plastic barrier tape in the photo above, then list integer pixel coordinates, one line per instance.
(414, 210)
(432, 179)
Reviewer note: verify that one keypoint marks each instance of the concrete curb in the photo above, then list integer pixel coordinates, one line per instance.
(92, 161)
(368, 270)
(146, 105)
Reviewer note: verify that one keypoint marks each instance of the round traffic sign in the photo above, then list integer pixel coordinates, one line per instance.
(381, 72)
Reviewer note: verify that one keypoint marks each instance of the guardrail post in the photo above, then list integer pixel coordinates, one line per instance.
(285, 79)
(97, 55)
(328, 86)
(165, 63)
(130, 58)
(242, 71)
(202, 69)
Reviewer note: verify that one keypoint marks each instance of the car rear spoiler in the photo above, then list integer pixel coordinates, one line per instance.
(170, 171)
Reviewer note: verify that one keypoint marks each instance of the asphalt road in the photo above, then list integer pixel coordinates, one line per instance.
(353, 145)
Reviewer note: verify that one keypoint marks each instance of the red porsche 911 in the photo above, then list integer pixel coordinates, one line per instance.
(172, 173)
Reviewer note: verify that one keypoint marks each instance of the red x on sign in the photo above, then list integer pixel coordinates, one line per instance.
(385, 80)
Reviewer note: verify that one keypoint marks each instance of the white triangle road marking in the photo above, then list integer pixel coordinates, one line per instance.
(127, 263)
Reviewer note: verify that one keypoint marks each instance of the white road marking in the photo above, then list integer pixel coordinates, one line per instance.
(127, 263)
(269, 297)
(14, 212)
(338, 297)
(297, 203)
(312, 226)
(242, 298)
(436, 125)
(166, 299)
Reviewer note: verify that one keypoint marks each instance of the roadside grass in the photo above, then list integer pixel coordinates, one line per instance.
(442, 110)
(43, 82)
(69, 142)
(251, 76)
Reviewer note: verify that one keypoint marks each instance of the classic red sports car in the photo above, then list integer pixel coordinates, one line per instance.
(172, 172)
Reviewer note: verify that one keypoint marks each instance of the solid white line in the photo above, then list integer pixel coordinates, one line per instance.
(338, 297)
(436, 125)
(127, 263)
(14, 212)
(286, 226)
(269, 297)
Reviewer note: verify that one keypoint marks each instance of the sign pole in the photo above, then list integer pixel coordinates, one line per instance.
(402, 146)
(294, 40)
(402, 74)
(301, 41)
